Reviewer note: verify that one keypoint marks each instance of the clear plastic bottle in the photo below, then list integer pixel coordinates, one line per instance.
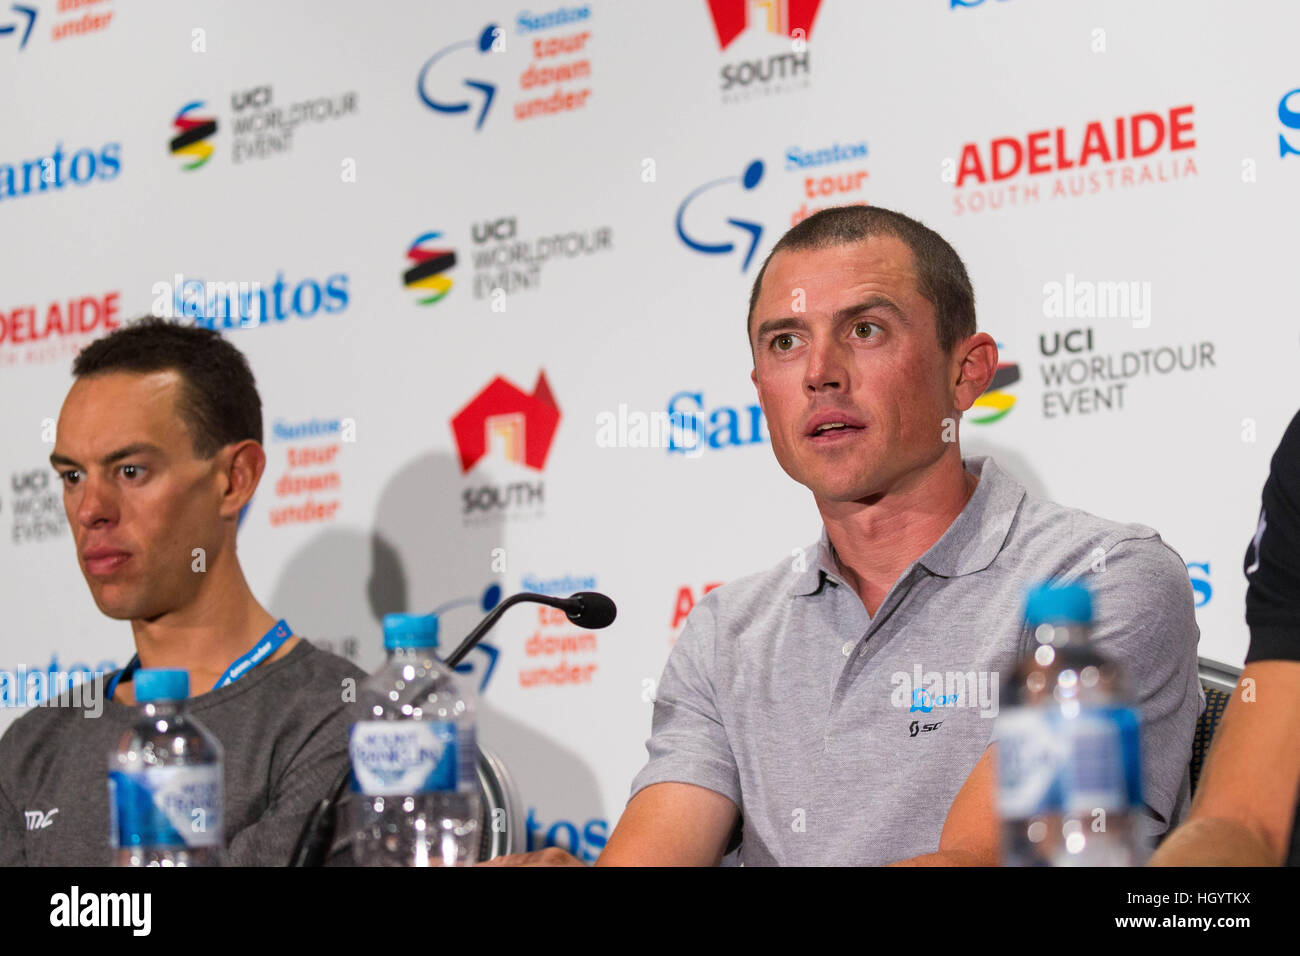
(415, 799)
(165, 781)
(1069, 763)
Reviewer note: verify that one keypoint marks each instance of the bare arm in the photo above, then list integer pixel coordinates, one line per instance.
(666, 824)
(671, 824)
(1246, 800)
(970, 832)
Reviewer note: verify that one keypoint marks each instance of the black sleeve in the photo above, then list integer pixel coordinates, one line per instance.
(1273, 559)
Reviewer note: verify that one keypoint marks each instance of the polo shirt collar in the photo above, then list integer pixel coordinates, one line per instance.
(970, 544)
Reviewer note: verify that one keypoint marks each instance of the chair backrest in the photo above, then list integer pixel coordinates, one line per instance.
(1218, 681)
(500, 821)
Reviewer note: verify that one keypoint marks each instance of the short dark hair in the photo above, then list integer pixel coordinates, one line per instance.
(940, 274)
(218, 400)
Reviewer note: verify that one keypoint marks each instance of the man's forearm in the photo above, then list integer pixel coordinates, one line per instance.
(951, 858)
(1214, 841)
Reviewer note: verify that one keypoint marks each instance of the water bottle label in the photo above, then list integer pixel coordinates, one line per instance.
(1093, 771)
(397, 757)
(1127, 724)
(1029, 757)
(1050, 764)
(174, 807)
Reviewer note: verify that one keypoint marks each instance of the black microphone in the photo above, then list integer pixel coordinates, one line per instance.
(589, 609)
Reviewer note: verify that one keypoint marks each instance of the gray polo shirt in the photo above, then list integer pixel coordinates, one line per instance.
(843, 738)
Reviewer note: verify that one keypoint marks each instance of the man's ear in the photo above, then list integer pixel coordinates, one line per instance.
(753, 377)
(976, 361)
(243, 465)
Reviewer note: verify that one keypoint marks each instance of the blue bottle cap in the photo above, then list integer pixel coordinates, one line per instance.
(159, 684)
(410, 630)
(1066, 604)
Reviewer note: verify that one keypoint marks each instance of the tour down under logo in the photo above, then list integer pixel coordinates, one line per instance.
(428, 264)
(192, 133)
(996, 401)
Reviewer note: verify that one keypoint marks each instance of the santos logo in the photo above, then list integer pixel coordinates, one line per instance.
(693, 431)
(50, 173)
(232, 305)
(1289, 118)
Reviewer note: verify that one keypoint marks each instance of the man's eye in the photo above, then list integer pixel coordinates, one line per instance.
(69, 478)
(783, 343)
(858, 329)
(131, 472)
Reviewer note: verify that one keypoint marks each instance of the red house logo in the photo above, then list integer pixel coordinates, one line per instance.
(524, 425)
(778, 17)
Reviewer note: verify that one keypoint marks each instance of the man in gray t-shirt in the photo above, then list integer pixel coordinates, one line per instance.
(842, 703)
(283, 729)
(159, 450)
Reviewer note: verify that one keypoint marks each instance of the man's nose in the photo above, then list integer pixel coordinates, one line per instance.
(827, 366)
(96, 503)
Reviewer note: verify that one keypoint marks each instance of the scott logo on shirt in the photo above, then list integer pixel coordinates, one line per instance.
(925, 690)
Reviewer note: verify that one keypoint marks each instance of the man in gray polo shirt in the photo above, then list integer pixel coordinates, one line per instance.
(842, 703)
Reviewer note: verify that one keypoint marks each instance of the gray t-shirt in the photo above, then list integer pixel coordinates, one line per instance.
(283, 727)
(843, 738)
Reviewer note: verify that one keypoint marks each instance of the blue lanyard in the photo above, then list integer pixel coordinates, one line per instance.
(264, 648)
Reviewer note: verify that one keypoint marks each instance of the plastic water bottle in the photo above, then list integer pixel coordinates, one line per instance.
(415, 798)
(1069, 763)
(165, 781)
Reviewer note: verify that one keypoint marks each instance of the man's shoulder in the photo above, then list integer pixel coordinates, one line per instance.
(1074, 542)
(317, 662)
(58, 726)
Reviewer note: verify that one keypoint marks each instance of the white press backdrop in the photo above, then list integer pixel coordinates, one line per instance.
(345, 134)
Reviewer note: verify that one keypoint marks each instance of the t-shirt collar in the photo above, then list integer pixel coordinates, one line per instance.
(971, 543)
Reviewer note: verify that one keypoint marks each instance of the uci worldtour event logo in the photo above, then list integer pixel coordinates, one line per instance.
(757, 30)
(712, 220)
(261, 126)
(193, 133)
(425, 275)
(505, 423)
(1079, 379)
(1138, 149)
(504, 262)
(466, 79)
(36, 506)
(997, 402)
